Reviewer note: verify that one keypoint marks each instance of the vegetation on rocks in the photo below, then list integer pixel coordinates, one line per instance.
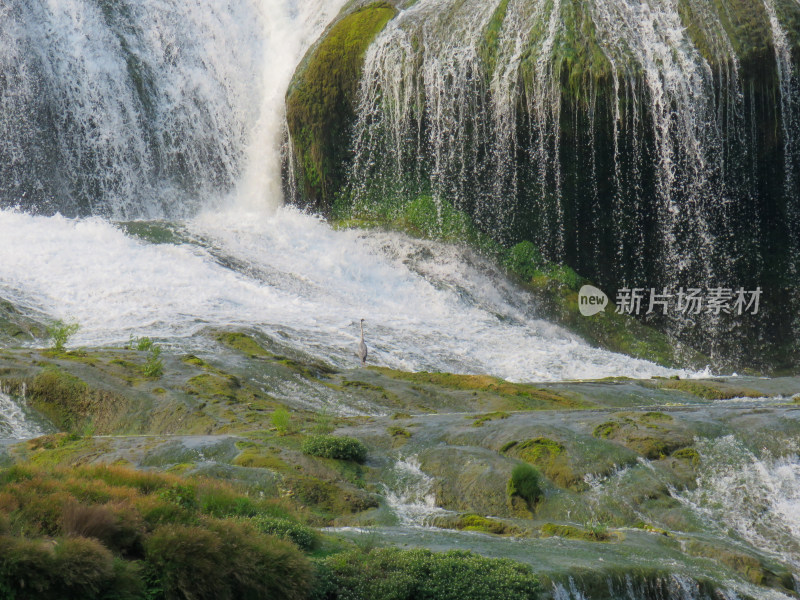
(525, 482)
(319, 104)
(396, 574)
(109, 532)
(338, 447)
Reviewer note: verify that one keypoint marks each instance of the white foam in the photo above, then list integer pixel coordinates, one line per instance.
(427, 306)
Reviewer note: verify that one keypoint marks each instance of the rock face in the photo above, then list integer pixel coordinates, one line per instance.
(648, 145)
(320, 102)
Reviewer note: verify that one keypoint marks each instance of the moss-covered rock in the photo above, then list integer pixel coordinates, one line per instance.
(320, 100)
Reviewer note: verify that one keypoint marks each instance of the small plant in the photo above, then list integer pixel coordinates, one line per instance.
(525, 482)
(281, 420)
(331, 446)
(144, 344)
(154, 365)
(323, 423)
(60, 332)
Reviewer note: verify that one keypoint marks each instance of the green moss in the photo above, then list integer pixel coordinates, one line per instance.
(507, 446)
(472, 522)
(525, 395)
(575, 533)
(606, 430)
(480, 420)
(656, 416)
(549, 456)
(319, 103)
(243, 343)
(398, 432)
(489, 41)
(212, 386)
(191, 359)
(707, 390)
(249, 346)
(689, 454)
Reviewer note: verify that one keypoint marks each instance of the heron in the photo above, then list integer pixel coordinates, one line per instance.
(362, 347)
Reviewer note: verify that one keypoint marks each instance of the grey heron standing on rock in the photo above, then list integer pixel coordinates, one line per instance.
(362, 347)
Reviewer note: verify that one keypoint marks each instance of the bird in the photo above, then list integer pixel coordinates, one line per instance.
(362, 347)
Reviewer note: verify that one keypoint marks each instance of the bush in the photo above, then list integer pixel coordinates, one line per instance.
(394, 574)
(525, 482)
(305, 537)
(281, 420)
(339, 447)
(74, 567)
(60, 332)
(524, 260)
(225, 561)
(154, 365)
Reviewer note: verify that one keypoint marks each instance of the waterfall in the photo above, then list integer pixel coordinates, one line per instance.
(409, 494)
(647, 144)
(146, 109)
(757, 497)
(15, 423)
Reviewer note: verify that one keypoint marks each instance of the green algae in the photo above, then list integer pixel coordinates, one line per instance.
(576, 533)
(526, 396)
(319, 103)
(401, 432)
(481, 419)
(706, 389)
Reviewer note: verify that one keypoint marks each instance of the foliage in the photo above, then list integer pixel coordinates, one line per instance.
(394, 574)
(154, 365)
(339, 447)
(525, 482)
(60, 332)
(319, 103)
(281, 420)
(144, 344)
(225, 561)
(109, 532)
(594, 532)
(304, 537)
(524, 260)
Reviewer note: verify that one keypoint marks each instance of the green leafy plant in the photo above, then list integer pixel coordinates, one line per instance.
(154, 365)
(281, 420)
(525, 482)
(60, 332)
(331, 446)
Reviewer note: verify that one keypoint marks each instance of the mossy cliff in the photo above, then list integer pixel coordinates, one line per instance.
(320, 101)
(571, 140)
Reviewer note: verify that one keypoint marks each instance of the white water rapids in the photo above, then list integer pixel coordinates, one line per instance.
(427, 306)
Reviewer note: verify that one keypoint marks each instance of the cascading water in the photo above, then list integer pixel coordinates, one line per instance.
(632, 140)
(409, 494)
(758, 498)
(15, 423)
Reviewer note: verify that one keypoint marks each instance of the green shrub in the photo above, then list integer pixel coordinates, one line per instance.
(525, 482)
(524, 260)
(305, 537)
(60, 332)
(438, 220)
(225, 561)
(281, 420)
(331, 446)
(394, 574)
(154, 365)
(144, 344)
